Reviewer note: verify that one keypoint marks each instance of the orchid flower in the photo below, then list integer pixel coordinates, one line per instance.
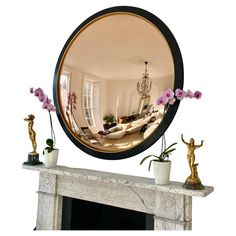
(197, 95)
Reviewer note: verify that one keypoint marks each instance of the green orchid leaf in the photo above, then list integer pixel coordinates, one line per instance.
(49, 142)
(50, 150)
(145, 158)
(149, 166)
(169, 151)
(170, 146)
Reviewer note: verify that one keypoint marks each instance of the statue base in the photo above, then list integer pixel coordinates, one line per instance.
(33, 159)
(194, 184)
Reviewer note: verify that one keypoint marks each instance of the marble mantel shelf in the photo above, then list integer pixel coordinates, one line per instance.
(170, 205)
(134, 181)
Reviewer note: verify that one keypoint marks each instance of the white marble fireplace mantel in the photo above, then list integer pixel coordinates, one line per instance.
(170, 204)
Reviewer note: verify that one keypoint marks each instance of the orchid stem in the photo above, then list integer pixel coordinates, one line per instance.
(52, 130)
(163, 143)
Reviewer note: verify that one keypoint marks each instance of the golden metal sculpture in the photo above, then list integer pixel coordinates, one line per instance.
(32, 133)
(33, 157)
(193, 181)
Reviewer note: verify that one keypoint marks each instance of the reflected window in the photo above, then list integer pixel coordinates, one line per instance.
(90, 100)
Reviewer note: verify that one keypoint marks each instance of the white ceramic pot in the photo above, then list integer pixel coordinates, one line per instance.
(51, 158)
(162, 172)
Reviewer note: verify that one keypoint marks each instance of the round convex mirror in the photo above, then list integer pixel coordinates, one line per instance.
(107, 78)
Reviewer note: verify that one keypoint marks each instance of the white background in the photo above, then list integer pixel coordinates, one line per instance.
(32, 36)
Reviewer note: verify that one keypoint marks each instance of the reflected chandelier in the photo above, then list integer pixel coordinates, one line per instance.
(145, 86)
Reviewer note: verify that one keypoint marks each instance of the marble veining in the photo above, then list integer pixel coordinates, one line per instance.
(142, 201)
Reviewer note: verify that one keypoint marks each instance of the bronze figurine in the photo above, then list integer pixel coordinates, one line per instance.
(32, 133)
(193, 181)
(33, 157)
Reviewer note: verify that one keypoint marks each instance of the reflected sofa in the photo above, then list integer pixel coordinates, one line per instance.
(120, 130)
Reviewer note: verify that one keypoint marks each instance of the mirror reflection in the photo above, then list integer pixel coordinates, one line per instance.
(110, 77)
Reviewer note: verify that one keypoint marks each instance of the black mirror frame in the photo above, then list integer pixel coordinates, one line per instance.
(179, 79)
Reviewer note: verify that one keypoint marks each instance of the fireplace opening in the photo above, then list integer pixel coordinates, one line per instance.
(84, 215)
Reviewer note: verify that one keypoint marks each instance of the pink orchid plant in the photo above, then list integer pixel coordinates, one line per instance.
(169, 97)
(47, 105)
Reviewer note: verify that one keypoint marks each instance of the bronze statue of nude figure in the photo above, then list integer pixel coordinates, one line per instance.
(33, 157)
(32, 133)
(193, 181)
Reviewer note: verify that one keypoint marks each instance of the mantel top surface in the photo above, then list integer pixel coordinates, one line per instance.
(135, 181)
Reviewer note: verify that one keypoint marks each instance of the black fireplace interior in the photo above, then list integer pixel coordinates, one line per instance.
(84, 215)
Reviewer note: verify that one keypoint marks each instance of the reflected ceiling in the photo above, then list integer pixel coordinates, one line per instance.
(116, 46)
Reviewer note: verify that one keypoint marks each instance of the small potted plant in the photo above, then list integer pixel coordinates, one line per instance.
(161, 165)
(110, 121)
(50, 153)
